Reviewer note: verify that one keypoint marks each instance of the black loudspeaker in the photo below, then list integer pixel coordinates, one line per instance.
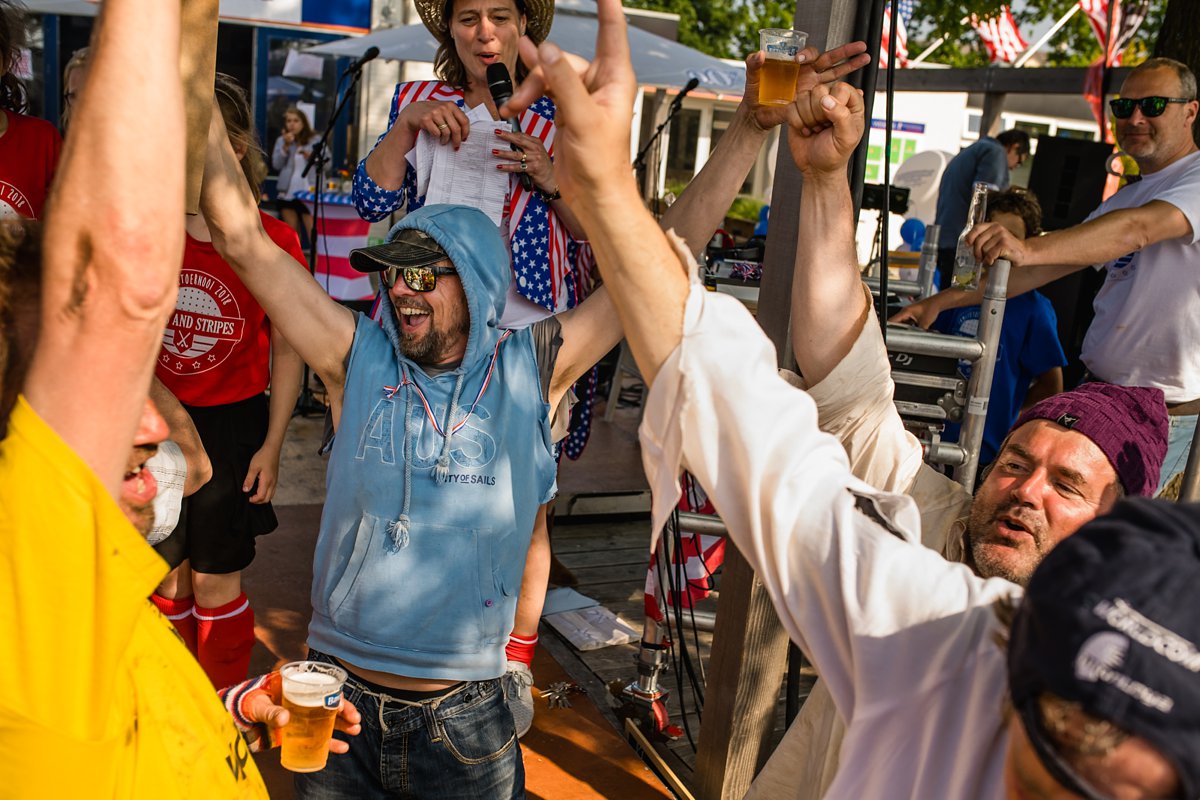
(1068, 177)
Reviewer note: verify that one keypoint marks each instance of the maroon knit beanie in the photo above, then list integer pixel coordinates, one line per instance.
(1128, 423)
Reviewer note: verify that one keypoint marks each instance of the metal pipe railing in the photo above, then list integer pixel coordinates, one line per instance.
(929, 252)
(979, 389)
(1190, 491)
(904, 339)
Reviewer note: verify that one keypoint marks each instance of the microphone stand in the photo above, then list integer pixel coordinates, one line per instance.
(307, 404)
(639, 163)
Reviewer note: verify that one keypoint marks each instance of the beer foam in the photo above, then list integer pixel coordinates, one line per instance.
(309, 688)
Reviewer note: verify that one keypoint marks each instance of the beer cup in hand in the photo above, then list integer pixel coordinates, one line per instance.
(312, 694)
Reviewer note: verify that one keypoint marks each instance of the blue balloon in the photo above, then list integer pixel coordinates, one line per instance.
(913, 233)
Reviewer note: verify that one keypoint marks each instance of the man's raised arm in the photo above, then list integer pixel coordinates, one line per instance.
(702, 206)
(318, 328)
(829, 307)
(113, 238)
(1042, 259)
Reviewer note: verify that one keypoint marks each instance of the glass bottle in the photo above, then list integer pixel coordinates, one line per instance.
(966, 269)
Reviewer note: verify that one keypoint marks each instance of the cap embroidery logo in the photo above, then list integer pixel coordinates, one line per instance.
(1099, 660)
(1067, 420)
(1102, 651)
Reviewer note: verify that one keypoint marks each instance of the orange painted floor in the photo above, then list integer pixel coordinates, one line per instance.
(570, 754)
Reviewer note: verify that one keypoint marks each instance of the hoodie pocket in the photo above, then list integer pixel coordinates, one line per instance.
(428, 596)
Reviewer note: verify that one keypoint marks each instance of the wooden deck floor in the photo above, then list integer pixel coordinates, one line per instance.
(610, 559)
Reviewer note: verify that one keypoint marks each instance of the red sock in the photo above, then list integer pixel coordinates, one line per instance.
(224, 638)
(179, 611)
(520, 648)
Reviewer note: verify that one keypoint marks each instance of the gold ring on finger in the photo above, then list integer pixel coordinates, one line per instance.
(442, 126)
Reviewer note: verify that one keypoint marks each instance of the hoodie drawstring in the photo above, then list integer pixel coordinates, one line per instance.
(442, 471)
(398, 530)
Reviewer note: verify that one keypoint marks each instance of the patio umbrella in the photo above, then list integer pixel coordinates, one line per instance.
(656, 61)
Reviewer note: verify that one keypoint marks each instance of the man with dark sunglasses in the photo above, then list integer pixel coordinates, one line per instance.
(1147, 236)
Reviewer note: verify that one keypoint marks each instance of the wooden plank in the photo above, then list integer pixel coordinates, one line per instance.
(611, 573)
(1026, 80)
(612, 556)
(993, 106)
(749, 655)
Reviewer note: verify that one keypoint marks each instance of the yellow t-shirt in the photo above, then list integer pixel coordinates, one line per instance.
(98, 696)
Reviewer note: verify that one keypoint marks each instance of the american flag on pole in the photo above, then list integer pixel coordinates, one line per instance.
(1127, 18)
(905, 11)
(1000, 36)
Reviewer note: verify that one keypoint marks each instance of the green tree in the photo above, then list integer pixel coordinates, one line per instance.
(723, 28)
(1074, 45)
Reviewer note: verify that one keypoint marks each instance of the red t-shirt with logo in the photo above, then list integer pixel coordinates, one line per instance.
(29, 152)
(217, 344)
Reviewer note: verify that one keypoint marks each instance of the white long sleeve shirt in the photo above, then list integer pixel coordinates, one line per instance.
(902, 637)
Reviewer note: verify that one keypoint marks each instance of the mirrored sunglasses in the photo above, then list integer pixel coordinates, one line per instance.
(1122, 107)
(419, 279)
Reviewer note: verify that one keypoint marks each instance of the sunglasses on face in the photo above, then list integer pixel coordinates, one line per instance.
(1122, 107)
(419, 279)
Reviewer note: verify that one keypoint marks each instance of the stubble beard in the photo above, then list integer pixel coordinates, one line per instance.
(431, 346)
(995, 557)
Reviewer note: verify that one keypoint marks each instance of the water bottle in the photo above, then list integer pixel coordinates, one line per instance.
(966, 268)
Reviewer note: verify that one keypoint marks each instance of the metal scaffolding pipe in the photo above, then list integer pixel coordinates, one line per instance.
(1190, 491)
(928, 265)
(903, 339)
(701, 523)
(895, 287)
(991, 318)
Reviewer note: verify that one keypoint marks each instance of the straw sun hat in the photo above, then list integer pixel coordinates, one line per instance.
(538, 15)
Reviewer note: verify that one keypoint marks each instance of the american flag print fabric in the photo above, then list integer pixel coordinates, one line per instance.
(694, 564)
(904, 10)
(550, 267)
(1000, 36)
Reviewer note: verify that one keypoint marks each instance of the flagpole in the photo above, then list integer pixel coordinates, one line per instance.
(936, 44)
(1033, 48)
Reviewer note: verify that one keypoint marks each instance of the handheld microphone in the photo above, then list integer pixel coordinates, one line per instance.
(678, 101)
(371, 54)
(500, 86)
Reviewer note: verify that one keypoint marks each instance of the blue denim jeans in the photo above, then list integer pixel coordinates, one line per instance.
(1179, 444)
(462, 745)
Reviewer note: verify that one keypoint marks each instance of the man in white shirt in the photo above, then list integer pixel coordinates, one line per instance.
(1147, 236)
(905, 638)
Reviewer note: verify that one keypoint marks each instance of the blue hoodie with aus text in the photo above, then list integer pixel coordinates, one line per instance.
(428, 515)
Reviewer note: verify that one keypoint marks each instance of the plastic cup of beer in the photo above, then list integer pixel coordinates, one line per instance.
(312, 694)
(777, 81)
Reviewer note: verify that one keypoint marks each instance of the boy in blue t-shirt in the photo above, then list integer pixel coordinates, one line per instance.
(1030, 359)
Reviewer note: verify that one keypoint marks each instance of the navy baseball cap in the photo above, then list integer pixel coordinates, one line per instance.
(1110, 621)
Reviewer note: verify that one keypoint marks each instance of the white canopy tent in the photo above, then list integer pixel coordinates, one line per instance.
(656, 61)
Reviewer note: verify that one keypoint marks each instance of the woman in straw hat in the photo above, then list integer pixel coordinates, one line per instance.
(551, 274)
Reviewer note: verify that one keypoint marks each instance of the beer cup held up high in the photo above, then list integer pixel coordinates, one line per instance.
(312, 694)
(777, 80)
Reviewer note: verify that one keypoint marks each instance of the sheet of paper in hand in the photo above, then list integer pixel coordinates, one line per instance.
(467, 176)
